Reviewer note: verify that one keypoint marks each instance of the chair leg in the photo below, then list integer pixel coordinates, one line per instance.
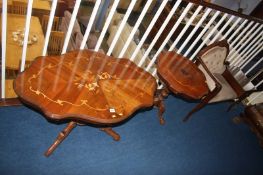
(203, 102)
(112, 133)
(62, 135)
(196, 108)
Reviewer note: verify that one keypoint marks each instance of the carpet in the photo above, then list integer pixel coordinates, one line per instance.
(209, 143)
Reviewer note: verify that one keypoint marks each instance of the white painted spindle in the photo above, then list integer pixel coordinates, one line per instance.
(135, 28)
(238, 29)
(170, 15)
(208, 36)
(4, 24)
(231, 28)
(219, 33)
(168, 37)
(91, 21)
(120, 28)
(233, 44)
(251, 53)
(202, 33)
(242, 42)
(251, 68)
(159, 11)
(249, 47)
(200, 22)
(185, 28)
(49, 26)
(71, 25)
(106, 25)
(255, 98)
(27, 28)
(259, 84)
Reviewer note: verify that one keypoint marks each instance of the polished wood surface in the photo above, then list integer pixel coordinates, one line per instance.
(181, 75)
(10, 102)
(86, 86)
(37, 4)
(13, 50)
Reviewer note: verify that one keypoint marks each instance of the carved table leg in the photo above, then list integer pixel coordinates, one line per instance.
(158, 102)
(112, 133)
(62, 135)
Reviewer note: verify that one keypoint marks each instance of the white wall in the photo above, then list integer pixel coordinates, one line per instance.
(248, 5)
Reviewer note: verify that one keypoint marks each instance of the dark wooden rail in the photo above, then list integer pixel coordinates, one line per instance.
(225, 10)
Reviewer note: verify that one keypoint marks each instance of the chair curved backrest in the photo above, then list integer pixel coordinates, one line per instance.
(214, 56)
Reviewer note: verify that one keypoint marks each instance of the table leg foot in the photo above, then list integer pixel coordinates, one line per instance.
(112, 133)
(62, 135)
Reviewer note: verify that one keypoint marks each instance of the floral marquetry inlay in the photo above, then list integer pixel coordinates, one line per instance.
(86, 85)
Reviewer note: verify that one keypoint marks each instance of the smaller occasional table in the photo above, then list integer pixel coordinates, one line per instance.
(83, 87)
(181, 76)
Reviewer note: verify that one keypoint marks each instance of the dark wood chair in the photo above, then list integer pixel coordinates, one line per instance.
(222, 84)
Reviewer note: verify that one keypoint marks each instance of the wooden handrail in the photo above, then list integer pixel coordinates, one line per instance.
(225, 10)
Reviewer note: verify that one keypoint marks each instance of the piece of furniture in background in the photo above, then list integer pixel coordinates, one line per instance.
(125, 4)
(76, 35)
(84, 92)
(19, 7)
(222, 84)
(180, 76)
(55, 25)
(13, 48)
(158, 24)
(61, 8)
(253, 116)
(117, 18)
(56, 42)
(39, 7)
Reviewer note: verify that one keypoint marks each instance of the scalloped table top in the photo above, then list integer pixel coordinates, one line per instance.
(181, 75)
(86, 86)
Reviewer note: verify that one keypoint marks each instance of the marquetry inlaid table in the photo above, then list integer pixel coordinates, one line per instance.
(83, 87)
(181, 76)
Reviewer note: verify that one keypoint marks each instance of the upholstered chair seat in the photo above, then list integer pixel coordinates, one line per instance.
(222, 84)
